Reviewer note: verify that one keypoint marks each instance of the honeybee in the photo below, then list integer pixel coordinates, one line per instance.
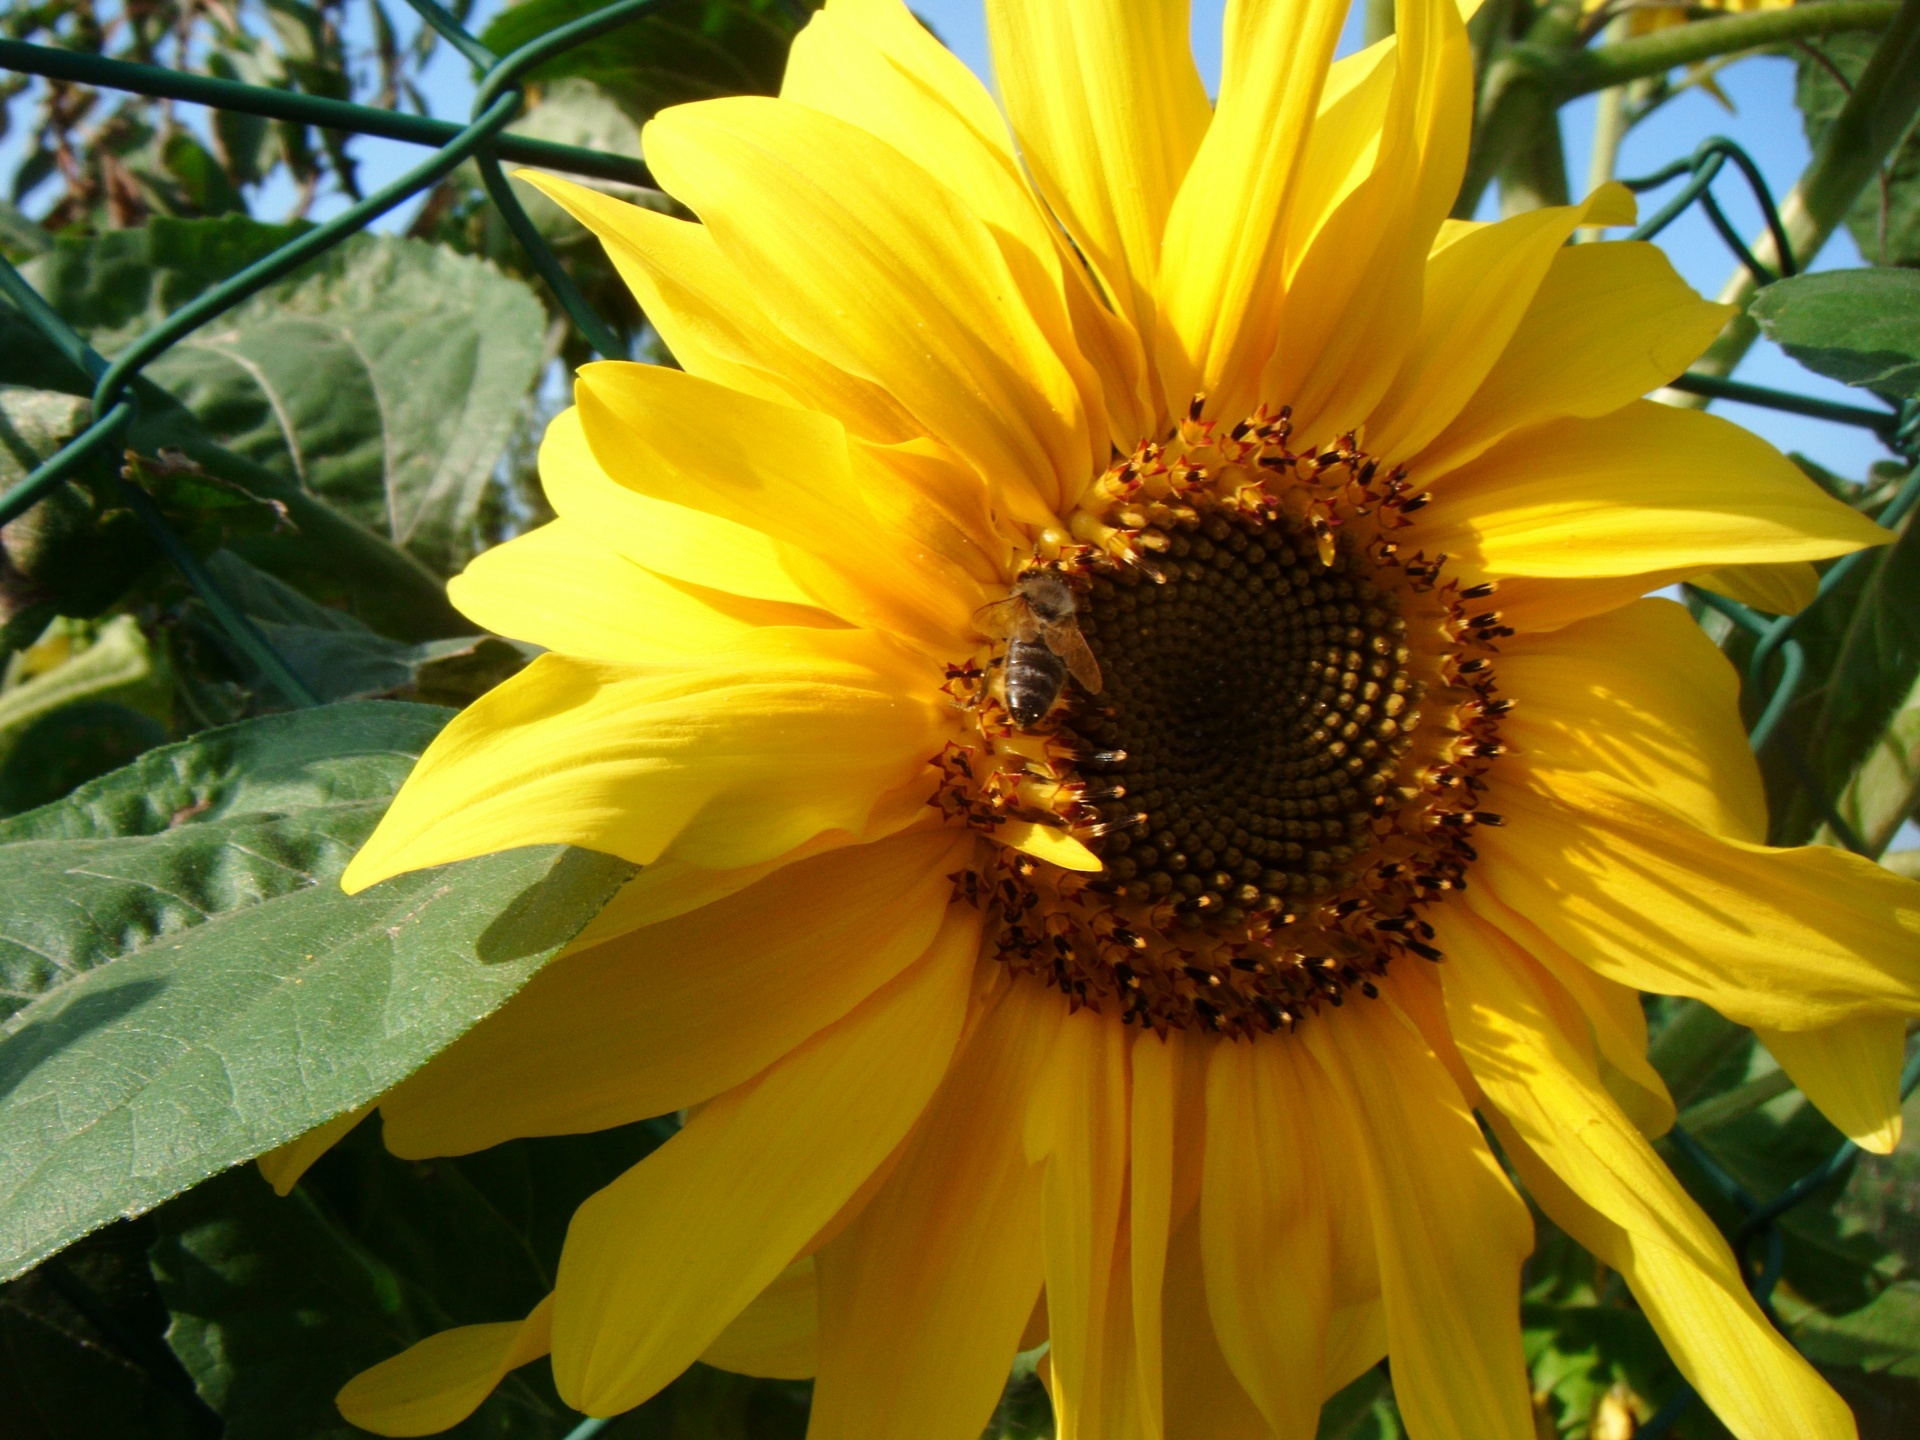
(1044, 644)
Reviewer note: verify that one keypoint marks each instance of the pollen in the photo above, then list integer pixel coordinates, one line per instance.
(1282, 766)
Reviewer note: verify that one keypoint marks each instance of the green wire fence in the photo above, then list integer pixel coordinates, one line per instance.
(1775, 668)
(1757, 1240)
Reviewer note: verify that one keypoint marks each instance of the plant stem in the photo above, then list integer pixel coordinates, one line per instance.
(1527, 81)
(1514, 108)
(1536, 175)
(1847, 158)
(1575, 72)
(1379, 20)
(1609, 129)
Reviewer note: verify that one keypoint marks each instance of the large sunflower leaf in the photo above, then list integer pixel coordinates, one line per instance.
(112, 287)
(1861, 327)
(190, 988)
(1860, 745)
(1885, 220)
(341, 659)
(386, 377)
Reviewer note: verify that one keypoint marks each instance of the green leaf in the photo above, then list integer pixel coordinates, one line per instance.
(1846, 733)
(1885, 788)
(323, 551)
(1858, 326)
(1828, 1261)
(341, 659)
(1765, 1148)
(386, 377)
(275, 1308)
(63, 750)
(76, 551)
(117, 665)
(1365, 1410)
(192, 986)
(1024, 1411)
(21, 238)
(114, 285)
(1883, 1334)
(82, 1353)
(276, 1303)
(1885, 221)
(688, 50)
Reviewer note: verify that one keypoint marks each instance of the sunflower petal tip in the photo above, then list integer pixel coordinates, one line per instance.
(367, 869)
(1883, 1141)
(1611, 204)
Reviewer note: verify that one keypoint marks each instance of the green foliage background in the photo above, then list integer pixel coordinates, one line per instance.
(175, 958)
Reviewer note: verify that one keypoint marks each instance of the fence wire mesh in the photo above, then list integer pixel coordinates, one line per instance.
(1774, 671)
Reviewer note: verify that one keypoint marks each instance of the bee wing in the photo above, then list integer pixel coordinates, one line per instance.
(1011, 617)
(1066, 641)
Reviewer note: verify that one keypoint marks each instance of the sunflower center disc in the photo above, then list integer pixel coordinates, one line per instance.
(1285, 757)
(1258, 698)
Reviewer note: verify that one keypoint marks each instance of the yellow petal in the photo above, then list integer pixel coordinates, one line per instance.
(1476, 291)
(1109, 110)
(874, 65)
(1609, 323)
(1077, 1129)
(1204, 1400)
(437, 1383)
(1049, 843)
(1642, 696)
(1356, 1342)
(660, 1262)
(1614, 1013)
(924, 1297)
(881, 269)
(1348, 141)
(1264, 1230)
(563, 588)
(669, 888)
(1777, 589)
(672, 1015)
(1150, 1150)
(711, 318)
(777, 1337)
(1676, 1261)
(787, 735)
(1777, 939)
(1647, 488)
(1852, 1072)
(669, 539)
(1348, 258)
(1221, 265)
(283, 1167)
(1344, 327)
(786, 471)
(1534, 605)
(1451, 1232)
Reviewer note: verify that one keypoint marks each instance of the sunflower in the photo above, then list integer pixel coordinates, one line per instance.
(1121, 656)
